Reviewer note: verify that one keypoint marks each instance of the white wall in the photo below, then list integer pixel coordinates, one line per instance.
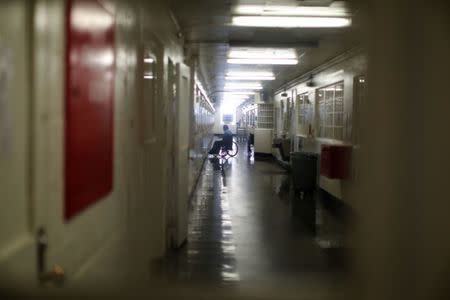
(349, 66)
(203, 118)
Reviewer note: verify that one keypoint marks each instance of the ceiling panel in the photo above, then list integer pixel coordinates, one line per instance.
(206, 27)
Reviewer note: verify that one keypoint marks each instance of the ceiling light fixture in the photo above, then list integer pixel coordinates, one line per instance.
(310, 11)
(291, 22)
(262, 61)
(240, 93)
(243, 87)
(264, 56)
(263, 53)
(263, 74)
(243, 84)
(249, 78)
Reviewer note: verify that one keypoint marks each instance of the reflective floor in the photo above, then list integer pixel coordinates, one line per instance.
(248, 228)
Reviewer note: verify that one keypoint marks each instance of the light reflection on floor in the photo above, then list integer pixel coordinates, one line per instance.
(245, 229)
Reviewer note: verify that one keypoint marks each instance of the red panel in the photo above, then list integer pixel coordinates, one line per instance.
(90, 72)
(335, 161)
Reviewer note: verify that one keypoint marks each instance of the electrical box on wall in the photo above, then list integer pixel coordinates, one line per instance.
(89, 101)
(310, 82)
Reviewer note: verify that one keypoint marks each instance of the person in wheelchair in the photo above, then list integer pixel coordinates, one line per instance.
(226, 142)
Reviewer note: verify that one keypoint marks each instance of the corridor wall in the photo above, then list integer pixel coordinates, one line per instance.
(341, 70)
(203, 113)
(115, 238)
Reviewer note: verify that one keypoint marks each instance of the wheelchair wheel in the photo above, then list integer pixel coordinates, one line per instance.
(234, 151)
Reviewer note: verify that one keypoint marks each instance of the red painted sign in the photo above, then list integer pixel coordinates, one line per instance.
(89, 94)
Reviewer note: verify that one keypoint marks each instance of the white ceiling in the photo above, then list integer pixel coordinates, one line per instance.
(206, 27)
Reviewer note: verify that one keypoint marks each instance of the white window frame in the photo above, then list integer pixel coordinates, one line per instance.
(330, 104)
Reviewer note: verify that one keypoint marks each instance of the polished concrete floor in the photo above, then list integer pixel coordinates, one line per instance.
(248, 228)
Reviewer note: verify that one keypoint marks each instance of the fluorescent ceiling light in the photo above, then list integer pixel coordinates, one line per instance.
(266, 53)
(249, 78)
(262, 61)
(242, 87)
(149, 60)
(247, 84)
(291, 22)
(249, 74)
(240, 93)
(271, 56)
(309, 11)
(253, 89)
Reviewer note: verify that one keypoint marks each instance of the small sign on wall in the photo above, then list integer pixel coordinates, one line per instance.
(89, 96)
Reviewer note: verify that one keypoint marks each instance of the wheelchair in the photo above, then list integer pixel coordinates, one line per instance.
(230, 152)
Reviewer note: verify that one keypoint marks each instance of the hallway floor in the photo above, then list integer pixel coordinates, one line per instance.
(245, 232)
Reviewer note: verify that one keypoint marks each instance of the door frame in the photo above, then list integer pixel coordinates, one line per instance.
(182, 133)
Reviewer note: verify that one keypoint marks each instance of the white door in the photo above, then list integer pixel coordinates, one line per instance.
(31, 153)
(182, 148)
(18, 212)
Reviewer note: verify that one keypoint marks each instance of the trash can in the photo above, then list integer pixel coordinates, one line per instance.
(304, 170)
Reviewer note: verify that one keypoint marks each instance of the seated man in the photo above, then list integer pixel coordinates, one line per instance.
(227, 141)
